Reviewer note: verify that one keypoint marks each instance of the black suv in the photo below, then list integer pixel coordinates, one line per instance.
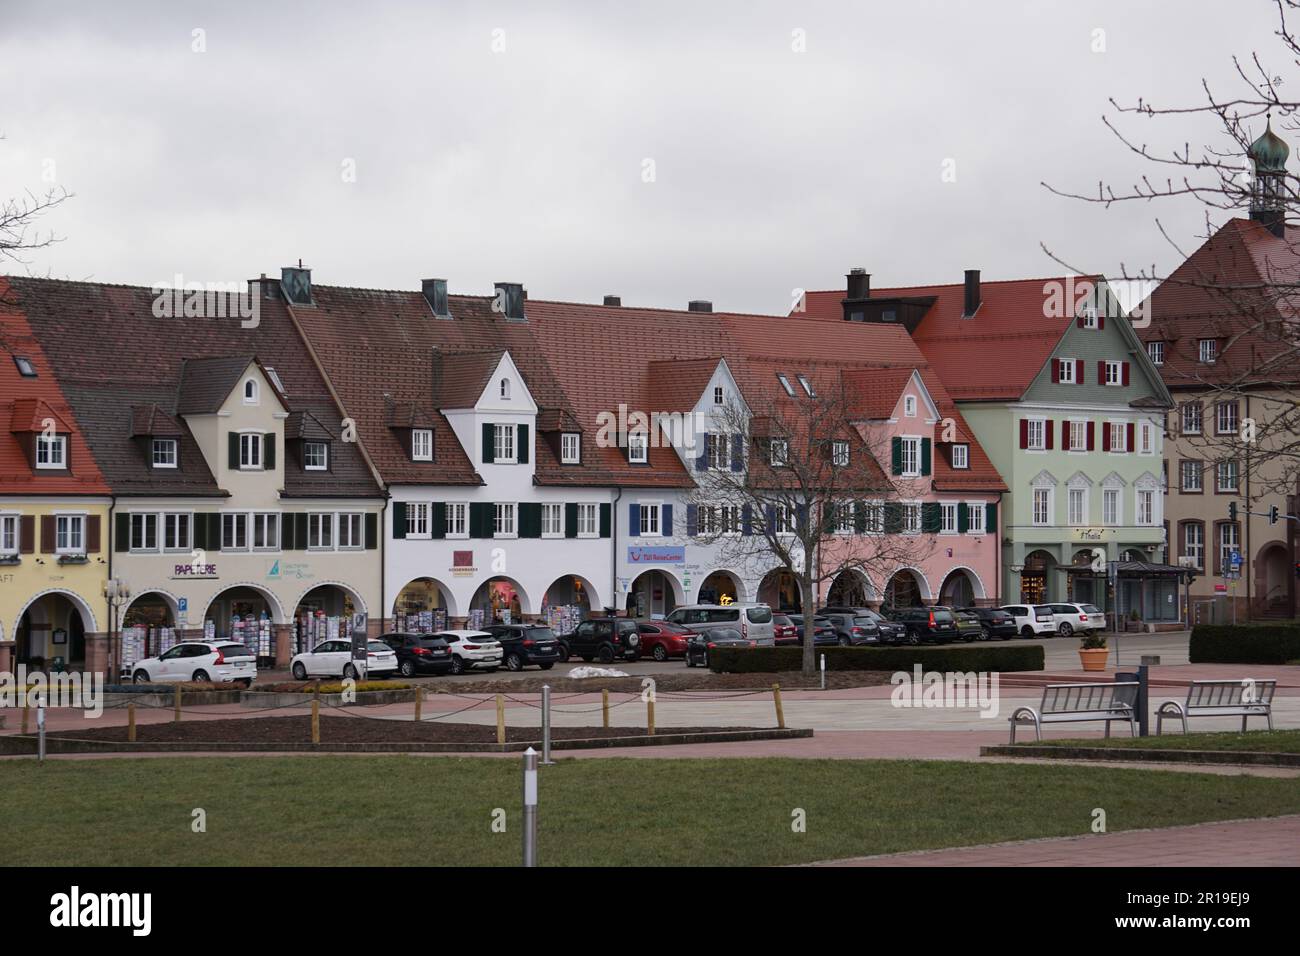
(994, 622)
(930, 624)
(419, 653)
(525, 644)
(606, 639)
(890, 632)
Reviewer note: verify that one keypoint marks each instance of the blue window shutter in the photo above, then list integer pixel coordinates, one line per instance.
(692, 520)
(737, 453)
(666, 520)
(702, 463)
(769, 519)
(801, 516)
(634, 520)
(746, 519)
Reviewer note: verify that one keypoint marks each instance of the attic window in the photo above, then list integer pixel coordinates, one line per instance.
(961, 456)
(164, 452)
(717, 395)
(25, 367)
(315, 456)
(785, 384)
(250, 392)
(505, 390)
(570, 449)
(1089, 317)
(840, 453)
(637, 452)
(422, 444)
(807, 386)
(909, 406)
(275, 379)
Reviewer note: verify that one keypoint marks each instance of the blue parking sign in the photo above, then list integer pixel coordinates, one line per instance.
(1234, 558)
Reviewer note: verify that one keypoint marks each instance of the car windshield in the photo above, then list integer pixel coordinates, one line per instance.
(724, 614)
(941, 614)
(377, 646)
(864, 620)
(234, 650)
(782, 620)
(540, 633)
(1092, 609)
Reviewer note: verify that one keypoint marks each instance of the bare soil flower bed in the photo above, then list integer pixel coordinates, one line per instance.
(688, 680)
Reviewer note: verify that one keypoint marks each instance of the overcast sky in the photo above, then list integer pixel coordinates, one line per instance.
(385, 142)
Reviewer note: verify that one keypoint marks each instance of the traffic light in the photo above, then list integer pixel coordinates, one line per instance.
(1232, 511)
(1272, 515)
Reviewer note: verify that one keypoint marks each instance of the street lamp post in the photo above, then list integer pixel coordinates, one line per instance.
(117, 593)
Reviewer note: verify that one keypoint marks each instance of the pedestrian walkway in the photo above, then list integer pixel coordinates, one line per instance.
(1273, 841)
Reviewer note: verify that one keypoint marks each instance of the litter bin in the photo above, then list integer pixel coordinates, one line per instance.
(1141, 706)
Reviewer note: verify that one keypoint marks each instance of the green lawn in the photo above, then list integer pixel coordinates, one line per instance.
(393, 810)
(1261, 741)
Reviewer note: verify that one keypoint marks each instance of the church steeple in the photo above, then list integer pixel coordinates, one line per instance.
(1268, 189)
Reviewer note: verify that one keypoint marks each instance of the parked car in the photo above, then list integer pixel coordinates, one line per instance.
(927, 624)
(852, 628)
(754, 621)
(526, 644)
(334, 659)
(663, 639)
(968, 625)
(823, 630)
(1032, 619)
(607, 639)
(891, 632)
(784, 631)
(994, 622)
(418, 653)
(1084, 618)
(221, 662)
(697, 649)
(472, 650)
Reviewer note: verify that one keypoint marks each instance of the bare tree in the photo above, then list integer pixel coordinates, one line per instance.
(804, 483)
(18, 232)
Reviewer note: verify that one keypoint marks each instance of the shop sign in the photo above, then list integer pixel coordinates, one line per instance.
(462, 564)
(1092, 534)
(637, 554)
(196, 570)
(289, 570)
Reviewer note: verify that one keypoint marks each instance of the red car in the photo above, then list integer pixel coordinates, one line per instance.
(663, 639)
(785, 631)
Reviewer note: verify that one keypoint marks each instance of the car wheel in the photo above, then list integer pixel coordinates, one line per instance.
(457, 665)
(564, 653)
(141, 676)
(844, 641)
(605, 655)
(349, 671)
(1066, 629)
(1026, 631)
(913, 637)
(514, 662)
(985, 634)
(689, 661)
(299, 671)
(660, 653)
(407, 668)
(199, 677)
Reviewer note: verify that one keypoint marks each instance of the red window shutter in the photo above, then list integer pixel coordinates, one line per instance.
(1105, 436)
(1101, 373)
(1079, 320)
(27, 534)
(47, 534)
(1024, 433)
(1048, 429)
(1056, 370)
(1129, 446)
(1101, 321)
(1125, 367)
(92, 534)
(1078, 371)
(1091, 444)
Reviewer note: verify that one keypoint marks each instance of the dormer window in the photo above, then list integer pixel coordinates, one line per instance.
(1156, 352)
(164, 453)
(505, 390)
(422, 444)
(52, 451)
(909, 406)
(1209, 351)
(840, 453)
(570, 448)
(503, 444)
(315, 456)
(250, 392)
(785, 384)
(960, 456)
(807, 386)
(780, 453)
(1088, 317)
(25, 367)
(637, 451)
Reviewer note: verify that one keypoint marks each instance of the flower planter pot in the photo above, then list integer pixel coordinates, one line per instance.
(1094, 658)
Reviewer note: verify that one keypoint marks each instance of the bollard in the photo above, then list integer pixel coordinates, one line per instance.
(501, 719)
(780, 713)
(315, 720)
(604, 706)
(130, 722)
(177, 718)
(823, 672)
(650, 715)
(546, 726)
(40, 729)
(419, 701)
(530, 807)
(24, 708)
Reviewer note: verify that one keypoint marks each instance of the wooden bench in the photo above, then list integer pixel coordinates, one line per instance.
(1221, 698)
(1077, 703)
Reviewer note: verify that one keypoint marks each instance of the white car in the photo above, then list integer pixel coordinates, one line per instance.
(472, 650)
(334, 659)
(1032, 619)
(219, 662)
(1084, 618)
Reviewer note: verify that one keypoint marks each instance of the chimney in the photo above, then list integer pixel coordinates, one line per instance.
(972, 293)
(859, 285)
(699, 305)
(613, 300)
(296, 283)
(435, 293)
(509, 301)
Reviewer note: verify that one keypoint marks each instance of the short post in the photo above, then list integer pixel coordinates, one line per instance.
(780, 712)
(1144, 716)
(823, 672)
(546, 726)
(24, 710)
(604, 707)
(177, 717)
(501, 719)
(315, 720)
(650, 715)
(40, 729)
(530, 807)
(130, 722)
(419, 701)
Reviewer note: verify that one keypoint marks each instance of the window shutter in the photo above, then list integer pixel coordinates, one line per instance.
(489, 443)
(737, 452)
(1124, 367)
(571, 520)
(27, 534)
(233, 445)
(1048, 432)
(991, 518)
(769, 519)
(893, 517)
(522, 446)
(530, 519)
(1105, 436)
(300, 530)
(92, 534)
(199, 530)
(1078, 371)
(1091, 436)
(634, 520)
(1024, 434)
(860, 517)
(372, 531)
(1065, 437)
(606, 514)
(47, 534)
(702, 463)
(399, 519)
(746, 519)
(1129, 446)
(268, 452)
(213, 520)
(438, 519)
(963, 517)
(1214, 545)
(692, 520)
(1101, 373)
(1079, 320)
(896, 452)
(1056, 370)
(666, 520)
(926, 460)
(122, 532)
(1101, 320)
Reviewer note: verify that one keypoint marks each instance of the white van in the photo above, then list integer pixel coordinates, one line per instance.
(754, 621)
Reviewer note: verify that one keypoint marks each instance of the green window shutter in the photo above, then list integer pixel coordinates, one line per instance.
(530, 519)
(963, 517)
(991, 518)
(931, 517)
(372, 531)
(571, 520)
(480, 519)
(232, 442)
(896, 450)
(860, 518)
(198, 531)
(268, 452)
(214, 531)
(925, 456)
(606, 512)
(521, 454)
(893, 517)
(438, 519)
(122, 532)
(489, 443)
(399, 519)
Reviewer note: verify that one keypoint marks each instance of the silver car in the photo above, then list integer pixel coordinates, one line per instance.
(754, 621)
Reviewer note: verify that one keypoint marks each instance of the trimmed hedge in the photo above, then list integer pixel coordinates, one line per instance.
(1244, 644)
(767, 660)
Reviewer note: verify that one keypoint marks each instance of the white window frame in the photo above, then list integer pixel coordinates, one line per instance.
(1192, 410)
(912, 517)
(238, 521)
(1228, 530)
(417, 519)
(1194, 550)
(10, 531)
(1144, 499)
(1226, 467)
(807, 385)
(504, 447)
(421, 444)
(351, 530)
(269, 523)
(1191, 467)
(1112, 500)
(1114, 373)
(157, 445)
(840, 453)
(718, 395)
(52, 452)
(948, 517)
(846, 517)
(731, 519)
(1073, 517)
(251, 452)
(638, 448)
(961, 457)
(505, 519)
(875, 517)
(251, 391)
(553, 514)
(1038, 425)
(1146, 438)
(650, 526)
(1226, 419)
(456, 519)
(719, 458)
(1156, 352)
(780, 453)
(909, 406)
(1065, 371)
(70, 532)
(1119, 447)
(1089, 313)
(570, 448)
(1078, 429)
(1207, 351)
(911, 448)
(974, 508)
(173, 517)
(308, 462)
(504, 390)
(1047, 511)
(588, 519)
(320, 525)
(145, 519)
(785, 384)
